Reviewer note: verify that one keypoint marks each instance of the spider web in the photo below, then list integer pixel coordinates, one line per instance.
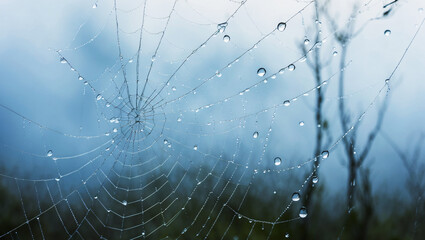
(187, 110)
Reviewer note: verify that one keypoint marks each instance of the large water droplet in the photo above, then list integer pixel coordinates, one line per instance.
(315, 179)
(325, 154)
(124, 203)
(80, 78)
(281, 26)
(306, 41)
(277, 161)
(261, 72)
(98, 97)
(226, 38)
(286, 103)
(195, 147)
(296, 197)
(387, 32)
(301, 123)
(303, 212)
(291, 67)
(255, 135)
(165, 141)
(49, 153)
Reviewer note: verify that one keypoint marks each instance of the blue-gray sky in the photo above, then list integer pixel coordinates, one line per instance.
(35, 84)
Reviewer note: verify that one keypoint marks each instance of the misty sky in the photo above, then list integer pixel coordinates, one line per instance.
(35, 84)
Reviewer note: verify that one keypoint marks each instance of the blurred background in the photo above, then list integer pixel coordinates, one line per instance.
(212, 119)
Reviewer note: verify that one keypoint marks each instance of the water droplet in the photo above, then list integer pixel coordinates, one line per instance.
(226, 38)
(179, 119)
(98, 97)
(80, 78)
(218, 74)
(296, 197)
(303, 212)
(57, 179)
(255, 135)
(335, 53)
(174, 88)
(124, 203)
(114, 120)
(301, 123)
(94, 5)
(184, 231)
(195, 147)
(287, 235)
(222, 26)
(277, 161)
(114, 130)
(291, 67)
(319, 44)
(387, 32)
(49, 153)
(153, 58)
(165, 141)
(315, 179)
(306, 41)
(325, 154)
(286, 103)
(281, 26)
(63, 60)
(261, 72)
